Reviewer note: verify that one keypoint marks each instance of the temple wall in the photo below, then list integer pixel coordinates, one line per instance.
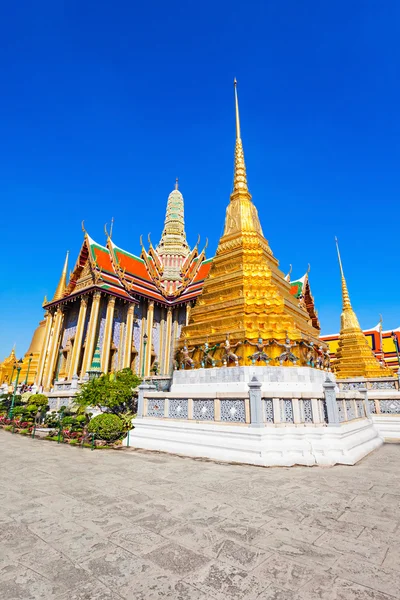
(71, 321)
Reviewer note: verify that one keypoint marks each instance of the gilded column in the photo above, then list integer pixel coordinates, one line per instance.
(162, 341)
(53, 349)
(128, 336)
(168, 342)
(188, 309)
(77, 348)
(150, 320)
(91, 333)
(105, 352)
(43, 351)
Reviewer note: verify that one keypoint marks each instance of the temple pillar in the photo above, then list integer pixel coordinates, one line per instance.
(167, 354)
(150, 320)
(77, 347)
(91, 334)
(43, 351)
(53, 349)
(105, 351)
(162, 340)
(188, 309)
(128, 336)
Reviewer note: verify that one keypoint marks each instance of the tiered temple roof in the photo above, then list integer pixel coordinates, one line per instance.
(170, 274)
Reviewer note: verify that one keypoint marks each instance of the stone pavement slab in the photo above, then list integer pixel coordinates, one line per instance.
(135, 525)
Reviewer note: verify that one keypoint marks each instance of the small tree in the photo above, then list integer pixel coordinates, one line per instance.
(112, 393)
(106, 427)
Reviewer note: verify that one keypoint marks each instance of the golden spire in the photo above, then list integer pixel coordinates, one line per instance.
(345, 292)
(241, 214)
(62, 284)
(240, 178)
(354, 357)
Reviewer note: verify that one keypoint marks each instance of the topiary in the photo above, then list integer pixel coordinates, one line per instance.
(106, 426)
(25, 397)
(39, 400)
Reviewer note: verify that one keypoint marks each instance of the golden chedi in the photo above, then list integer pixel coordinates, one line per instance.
(246, 304)
(354, 357)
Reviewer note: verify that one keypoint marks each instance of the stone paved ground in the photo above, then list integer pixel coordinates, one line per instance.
(77, 524)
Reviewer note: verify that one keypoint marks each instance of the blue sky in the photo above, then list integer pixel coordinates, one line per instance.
(104, 104)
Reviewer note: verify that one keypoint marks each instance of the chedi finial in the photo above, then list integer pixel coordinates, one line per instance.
(345, 292)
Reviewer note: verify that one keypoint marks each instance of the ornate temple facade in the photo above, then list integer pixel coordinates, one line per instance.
(131, 309)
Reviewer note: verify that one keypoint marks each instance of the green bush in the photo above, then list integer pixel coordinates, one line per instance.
(25, 397)
(24, 431)
(19, 411)
(51, 420)
(68, 421)
(107, 427)
(39, 400)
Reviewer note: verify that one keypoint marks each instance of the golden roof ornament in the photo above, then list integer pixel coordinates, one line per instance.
(62, 284)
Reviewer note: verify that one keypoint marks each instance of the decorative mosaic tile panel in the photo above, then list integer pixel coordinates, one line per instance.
(360, 408)
(324, 411)
(182, 316)
(53, 403)
(156, 339)
(103, 312)
(383, 385)
(233, 411)
(71, 323)
(307, 411)
(269, 410)
(203, 410)
(351, 386)
(340, 405)
(155, 407)
(287, 411)
(351, 413)
(391, 407)
(178, 409)
(372, 406)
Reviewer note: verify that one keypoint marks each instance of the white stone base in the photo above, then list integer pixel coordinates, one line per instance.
(275, 380)
(388, 426)
(265, 446)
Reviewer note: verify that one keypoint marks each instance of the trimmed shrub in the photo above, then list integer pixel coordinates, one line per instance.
(25, 397)
(39, 400)
(106, 427)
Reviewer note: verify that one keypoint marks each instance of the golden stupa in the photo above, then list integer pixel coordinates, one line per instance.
(246, 301)
(354, 357)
